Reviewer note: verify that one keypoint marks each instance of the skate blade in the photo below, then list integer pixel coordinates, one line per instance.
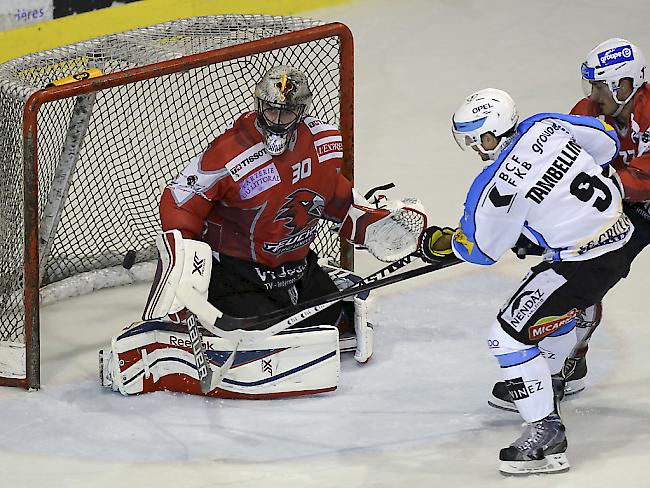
(551, 464)
(502, 405)
(573, 387)
(104, 377)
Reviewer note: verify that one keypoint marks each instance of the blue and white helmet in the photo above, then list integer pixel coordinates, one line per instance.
(487, 110)
(611, 61)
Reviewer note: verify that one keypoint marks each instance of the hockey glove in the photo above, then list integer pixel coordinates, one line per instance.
(435, 245)
(525, 247)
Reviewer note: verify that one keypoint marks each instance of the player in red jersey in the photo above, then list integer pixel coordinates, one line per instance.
(613, 77)
(255, 196)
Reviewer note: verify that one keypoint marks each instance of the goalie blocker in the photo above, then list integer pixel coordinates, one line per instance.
(156, 354)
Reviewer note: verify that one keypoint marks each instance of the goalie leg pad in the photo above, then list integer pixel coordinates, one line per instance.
(363, 329)
(362, 343)
(181, 260)
(156, 355)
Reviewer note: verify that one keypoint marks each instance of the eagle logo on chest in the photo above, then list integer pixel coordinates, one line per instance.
(299, 213)
(301, 208)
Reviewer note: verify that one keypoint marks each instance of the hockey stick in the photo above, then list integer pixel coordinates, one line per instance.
(391, 268)
(203, 368)
(258, 327)
(210, 378)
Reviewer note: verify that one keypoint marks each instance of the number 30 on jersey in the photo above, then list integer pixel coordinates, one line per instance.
(301, 170)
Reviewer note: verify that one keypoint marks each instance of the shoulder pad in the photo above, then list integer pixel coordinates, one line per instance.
(316, 126)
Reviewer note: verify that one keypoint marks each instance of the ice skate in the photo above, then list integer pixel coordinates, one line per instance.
(106, 370)
(575, 370)
(347, 342)
(540, 449)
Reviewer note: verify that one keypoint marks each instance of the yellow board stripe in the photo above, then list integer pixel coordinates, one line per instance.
(74, 28)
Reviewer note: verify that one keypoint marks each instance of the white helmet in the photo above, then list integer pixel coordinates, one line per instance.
(282, 99)
(487, 110)
(611, 61)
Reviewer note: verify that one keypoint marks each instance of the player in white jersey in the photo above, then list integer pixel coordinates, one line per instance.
(548, 179)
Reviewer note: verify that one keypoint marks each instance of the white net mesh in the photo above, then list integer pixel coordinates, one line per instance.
(139, 136)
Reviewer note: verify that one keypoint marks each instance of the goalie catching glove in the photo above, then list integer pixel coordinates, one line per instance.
(390, 232)
(435, 245)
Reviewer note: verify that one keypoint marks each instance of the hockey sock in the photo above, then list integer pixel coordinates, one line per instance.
(556, 348)
(528, 379)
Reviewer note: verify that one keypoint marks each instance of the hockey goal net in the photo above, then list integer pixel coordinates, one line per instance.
(84, 161)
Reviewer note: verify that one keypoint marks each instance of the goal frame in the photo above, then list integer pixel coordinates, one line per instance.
(31, 277)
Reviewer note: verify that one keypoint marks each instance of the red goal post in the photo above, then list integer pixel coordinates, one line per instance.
(90, 145)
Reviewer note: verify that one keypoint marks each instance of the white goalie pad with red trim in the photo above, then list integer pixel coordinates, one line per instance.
(390, 232)
(363, 340)
(156, 355)
(180, 260)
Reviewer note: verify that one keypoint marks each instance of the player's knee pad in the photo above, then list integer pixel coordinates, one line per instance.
(155, 355)
(364, 334)
(181, 261)
(554, 348)
(502, 344)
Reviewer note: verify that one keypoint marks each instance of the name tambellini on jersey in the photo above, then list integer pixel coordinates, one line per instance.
(532, 188)
(554, 173)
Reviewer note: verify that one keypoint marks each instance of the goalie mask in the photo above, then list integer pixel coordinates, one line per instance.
(488, 110)
(610, 62)
(282, 99)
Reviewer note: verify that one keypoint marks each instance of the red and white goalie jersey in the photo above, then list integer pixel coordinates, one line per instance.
(633, 163)
(250, 205)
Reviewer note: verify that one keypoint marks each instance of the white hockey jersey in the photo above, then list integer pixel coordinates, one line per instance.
(552, 183)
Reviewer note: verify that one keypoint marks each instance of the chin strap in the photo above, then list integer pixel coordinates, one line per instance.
(503, 143)
(623, 104)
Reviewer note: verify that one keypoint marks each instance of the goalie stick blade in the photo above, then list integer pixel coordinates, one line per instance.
(206, 381)
(220, 373)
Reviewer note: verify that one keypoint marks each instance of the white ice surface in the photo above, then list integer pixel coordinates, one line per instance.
(416, 415)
